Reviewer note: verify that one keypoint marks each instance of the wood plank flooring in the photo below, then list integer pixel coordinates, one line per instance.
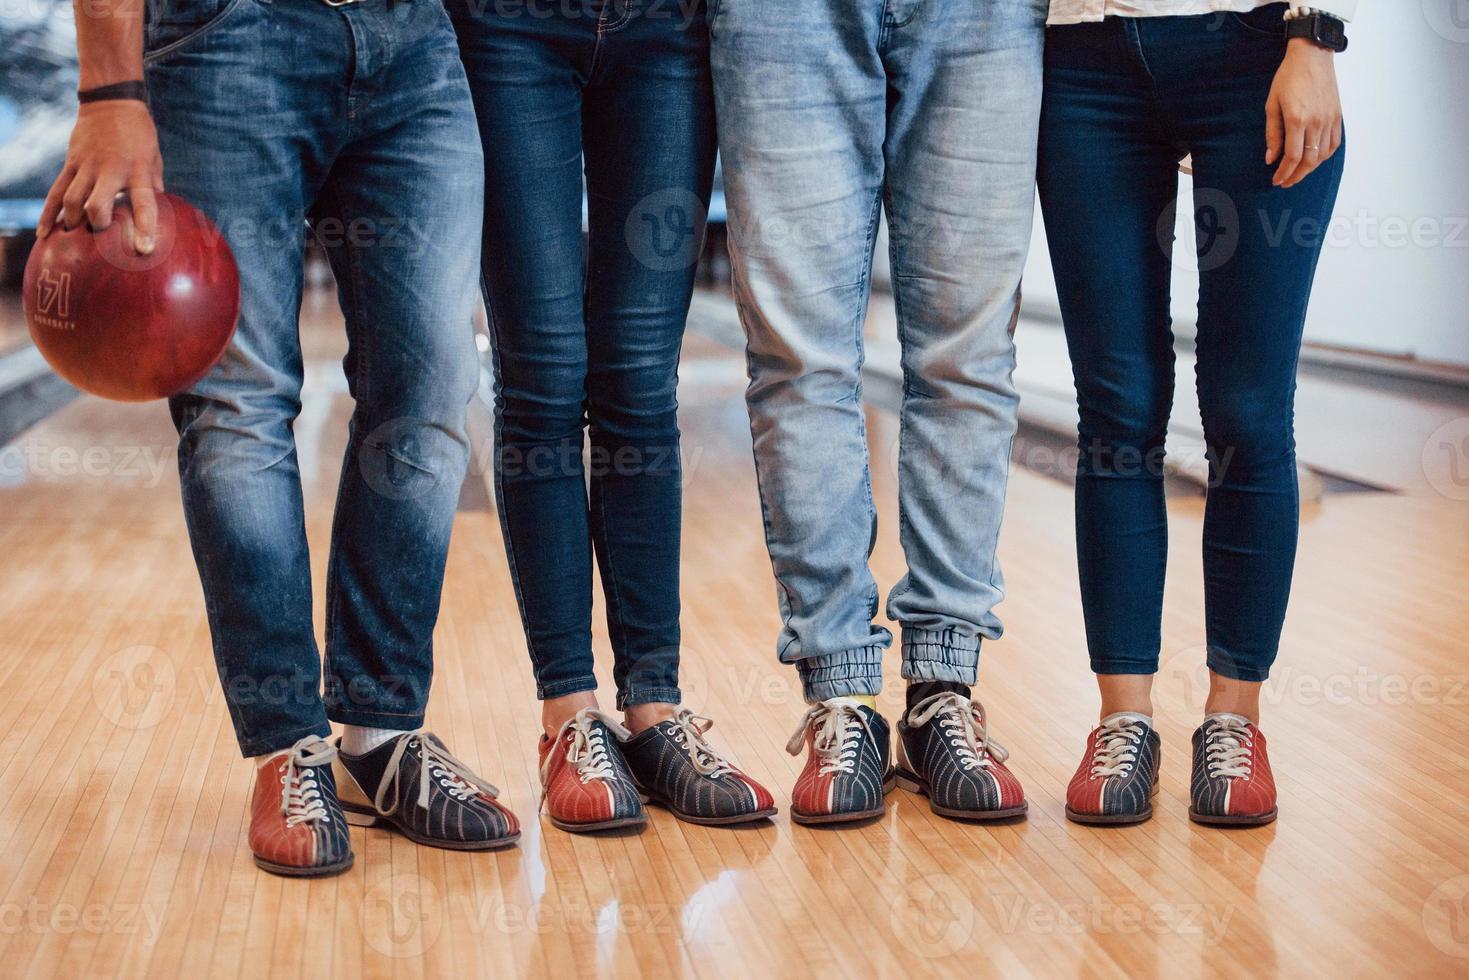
(123, 800)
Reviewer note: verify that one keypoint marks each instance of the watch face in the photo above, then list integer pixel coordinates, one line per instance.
(1330, 32)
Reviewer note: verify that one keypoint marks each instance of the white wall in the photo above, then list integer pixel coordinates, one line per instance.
(1394, 276)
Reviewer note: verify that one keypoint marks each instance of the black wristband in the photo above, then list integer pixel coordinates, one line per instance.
(1320, 29)
(118, 90)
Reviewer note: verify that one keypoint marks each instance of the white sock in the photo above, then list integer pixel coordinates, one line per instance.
(1136, 715)
(359, 739)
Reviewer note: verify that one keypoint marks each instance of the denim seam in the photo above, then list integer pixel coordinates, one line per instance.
(623, 19)
(784, 592)
(198, 34)
(361, 387)
(1133, 666)
(545, 692)
(948, 638)
(1240, 672)
(266, 744)
(1135, 37)
(648, 695)
(900, 320)
(499, 428)
(892, 22)
(859, 320)
(616, 627)
(603, 29)
(1004, 495)
(339, 709)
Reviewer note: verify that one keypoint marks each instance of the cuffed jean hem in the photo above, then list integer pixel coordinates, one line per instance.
(268, 744)
(940, 655)
(853, 672)
(1115, 665)
(1226, 666)
(648, 695)
(562, 688)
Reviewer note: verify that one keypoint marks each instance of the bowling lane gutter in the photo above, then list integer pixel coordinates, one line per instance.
(29, 391)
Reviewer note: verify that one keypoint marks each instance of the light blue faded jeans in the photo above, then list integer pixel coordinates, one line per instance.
(829, 110)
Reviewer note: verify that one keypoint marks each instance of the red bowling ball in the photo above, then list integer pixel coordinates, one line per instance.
(133, 327)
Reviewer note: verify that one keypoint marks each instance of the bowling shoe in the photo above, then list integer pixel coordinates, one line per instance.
(296, 824)
(1232, 784)
(676, 767)
(1118, 777)
(946, 754)
(846, 774)
(413, 785)
(585, 781)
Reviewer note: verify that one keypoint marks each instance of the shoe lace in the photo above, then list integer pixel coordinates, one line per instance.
(586, 748)
(961, 722)
(1115, 749)
(838, 723)
(689, 730)
(301, 799)
(1229, 748)
(435, 763)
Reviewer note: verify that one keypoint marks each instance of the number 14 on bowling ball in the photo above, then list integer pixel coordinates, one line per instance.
(133, 327)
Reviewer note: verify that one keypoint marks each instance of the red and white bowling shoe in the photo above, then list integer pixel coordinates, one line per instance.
(296, 825)
(1232, 784)
(585, 781)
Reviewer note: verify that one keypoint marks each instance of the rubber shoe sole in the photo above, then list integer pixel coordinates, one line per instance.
(1233, 819)
(738, 818)
(363, 818)
(910, 782)
(590, 828)
(291, 871)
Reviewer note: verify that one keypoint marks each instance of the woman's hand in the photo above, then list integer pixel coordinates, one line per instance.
(1303, 113)
(114, 148)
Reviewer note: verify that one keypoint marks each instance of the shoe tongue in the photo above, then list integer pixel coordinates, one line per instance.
(1223, 717)
(1130, 716)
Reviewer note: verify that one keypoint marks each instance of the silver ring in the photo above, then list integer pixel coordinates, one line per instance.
(1313, 147)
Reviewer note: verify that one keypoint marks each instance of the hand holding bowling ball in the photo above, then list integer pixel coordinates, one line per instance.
(133, 327)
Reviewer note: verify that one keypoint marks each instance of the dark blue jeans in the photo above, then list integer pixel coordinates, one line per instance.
(1125, 100)
(620, 92)
(271, 113)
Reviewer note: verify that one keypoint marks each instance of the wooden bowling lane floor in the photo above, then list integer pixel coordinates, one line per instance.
(123, 802)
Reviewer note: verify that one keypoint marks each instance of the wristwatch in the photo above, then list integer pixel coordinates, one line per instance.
(1319, 28)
